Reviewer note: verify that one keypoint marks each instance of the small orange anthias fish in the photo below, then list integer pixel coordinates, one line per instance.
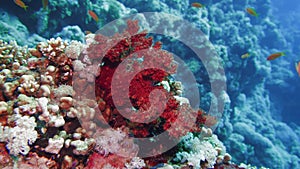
(298, 67)
(275, 55)
(45, 4)
(197, 5)
(252, 11)
(93, 15)
(21, 4)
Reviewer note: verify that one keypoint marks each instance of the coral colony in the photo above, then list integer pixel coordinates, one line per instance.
(49, 120)
(61, 107)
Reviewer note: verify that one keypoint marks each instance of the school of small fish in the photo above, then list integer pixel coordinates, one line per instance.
(272, 56)
(249, 10)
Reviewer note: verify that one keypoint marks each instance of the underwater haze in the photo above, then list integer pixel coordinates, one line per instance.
(287, 14)
(98, 83)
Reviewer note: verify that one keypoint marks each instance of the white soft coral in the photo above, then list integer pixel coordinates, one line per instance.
(135, 162)
(115, 142)
(199, 149)
(108, 140)
(21, 136)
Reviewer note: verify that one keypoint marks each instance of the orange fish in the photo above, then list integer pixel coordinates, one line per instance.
(45, 4)
(197, 5)
(93, 15)
(275, 55)
(252, 11)
(21, 4)
(297, 65)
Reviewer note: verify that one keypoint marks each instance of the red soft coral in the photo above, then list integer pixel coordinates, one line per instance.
(131, 71)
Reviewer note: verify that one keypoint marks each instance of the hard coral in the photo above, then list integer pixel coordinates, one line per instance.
(36, 98)
(53, 50)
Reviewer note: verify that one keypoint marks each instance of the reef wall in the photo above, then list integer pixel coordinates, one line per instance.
(255, 126)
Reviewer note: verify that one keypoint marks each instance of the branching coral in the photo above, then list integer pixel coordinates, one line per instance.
(34, 105)
(63, 90)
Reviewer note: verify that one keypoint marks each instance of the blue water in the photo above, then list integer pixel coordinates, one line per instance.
(287, 14)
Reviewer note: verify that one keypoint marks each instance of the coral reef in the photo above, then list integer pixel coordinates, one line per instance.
(11, 28)
(34, 107)
(71, 33)
(37, 83)
(253, 84)
(47, 118)
(60, 15)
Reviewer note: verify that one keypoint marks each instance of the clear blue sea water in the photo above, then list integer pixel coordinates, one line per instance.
(287, 12)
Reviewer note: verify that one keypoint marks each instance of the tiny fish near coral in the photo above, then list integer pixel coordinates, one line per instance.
(197, 5)
(93, 15)
(246, 55)
(297, 65)
(275, 55)
(252, 11)
(21, 4)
